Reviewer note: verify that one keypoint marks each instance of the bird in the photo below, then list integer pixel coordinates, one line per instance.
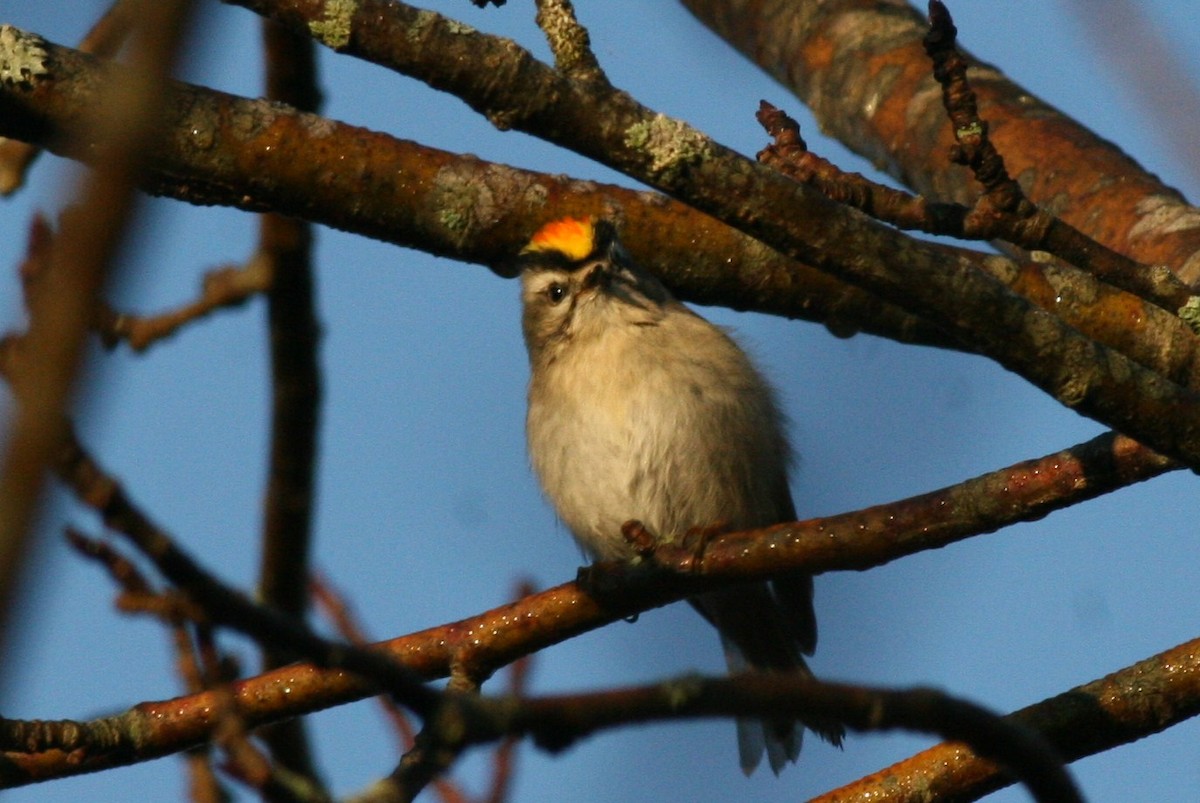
(641, 410)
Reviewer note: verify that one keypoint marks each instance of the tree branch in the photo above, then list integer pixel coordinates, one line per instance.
(285, 244)
(556, 722)
(863, 71)
(853, 541)
(514, 90)
(1102, 312)
(1147, 697)
(256, 156)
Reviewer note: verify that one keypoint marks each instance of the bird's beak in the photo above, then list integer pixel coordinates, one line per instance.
(598, 276)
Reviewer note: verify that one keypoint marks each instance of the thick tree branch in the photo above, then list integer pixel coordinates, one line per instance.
(514, 90)
(291, 163)
(863, 71)
(258, 156)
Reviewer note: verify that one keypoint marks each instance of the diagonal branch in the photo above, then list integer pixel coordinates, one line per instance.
(1145, 698)
(852, 541)
(1090, 303)
(514, 90)
(445, 204)
(1030, 227)
(251, 155)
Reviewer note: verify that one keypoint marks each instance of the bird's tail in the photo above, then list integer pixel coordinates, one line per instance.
(768, 628)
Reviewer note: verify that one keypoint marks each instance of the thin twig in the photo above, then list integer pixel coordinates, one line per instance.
(345, 623)
(1004, 210)
(175, 611)
(223, 287)
(338, 611)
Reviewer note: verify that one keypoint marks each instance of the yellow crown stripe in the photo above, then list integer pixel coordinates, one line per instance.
(572, 237)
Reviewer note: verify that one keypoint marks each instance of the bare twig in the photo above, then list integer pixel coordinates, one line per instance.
(338, 611)
(203, 668)
(175, 611)
(1003, 210)
(346, 624)
(226, 286)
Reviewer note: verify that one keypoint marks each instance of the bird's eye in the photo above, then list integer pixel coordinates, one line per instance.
(556, 292)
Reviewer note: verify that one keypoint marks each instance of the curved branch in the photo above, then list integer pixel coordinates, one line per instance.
(556, 722)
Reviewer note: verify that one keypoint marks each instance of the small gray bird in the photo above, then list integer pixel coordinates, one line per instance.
(639, 409)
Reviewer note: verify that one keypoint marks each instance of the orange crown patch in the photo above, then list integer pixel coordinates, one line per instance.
(570, 236)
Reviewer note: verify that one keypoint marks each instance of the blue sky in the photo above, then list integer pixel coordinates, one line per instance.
(427, 511)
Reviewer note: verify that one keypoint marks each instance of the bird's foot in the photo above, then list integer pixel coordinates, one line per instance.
(690, 550)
